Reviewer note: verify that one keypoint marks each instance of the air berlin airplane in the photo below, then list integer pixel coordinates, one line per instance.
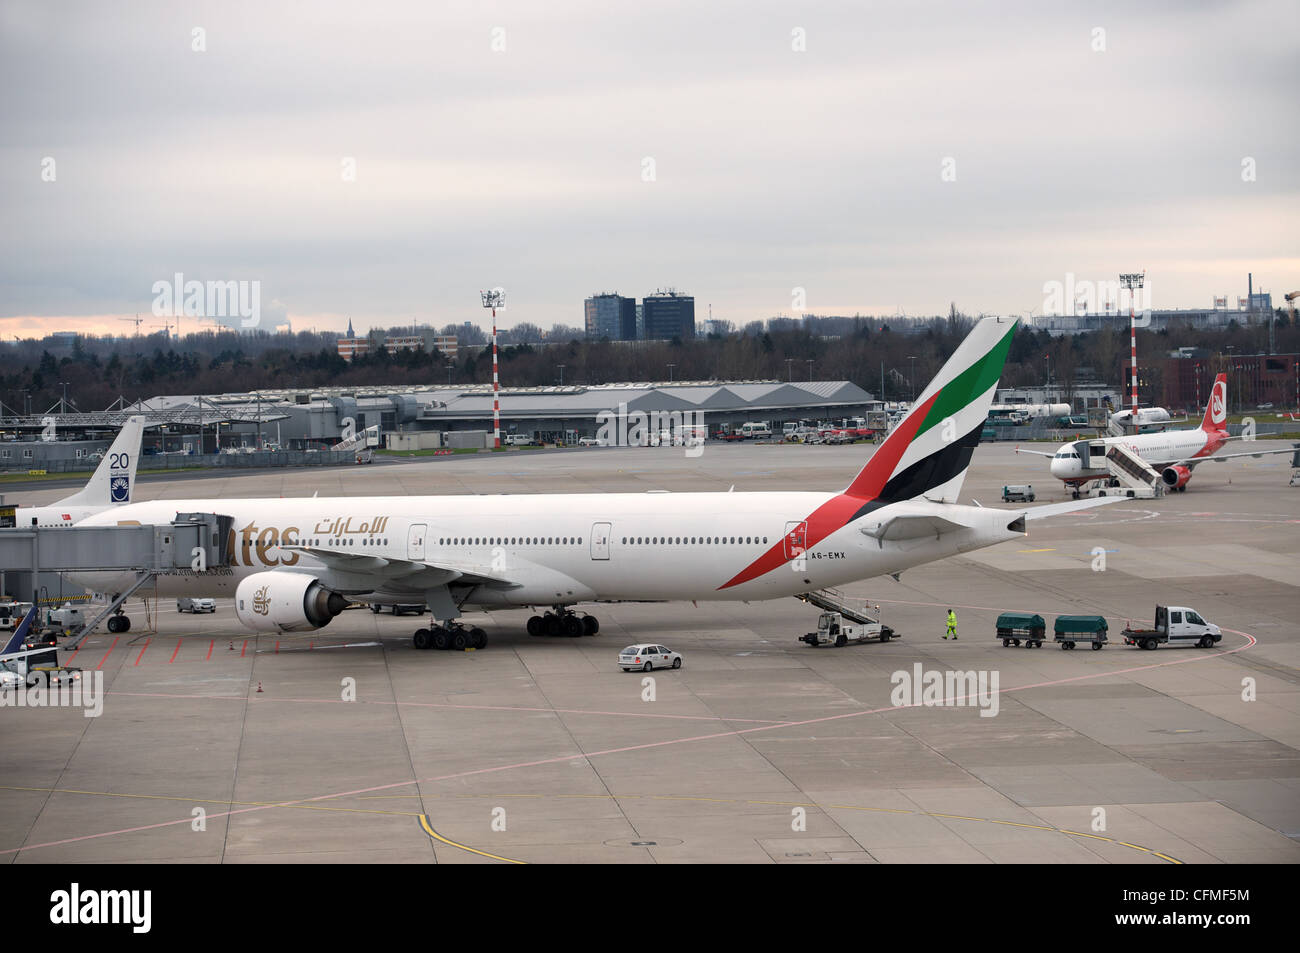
(1175, 453)
(296, 563)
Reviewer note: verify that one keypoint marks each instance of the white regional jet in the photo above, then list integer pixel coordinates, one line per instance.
(110, 486)
(298, 562)
(1175, 453)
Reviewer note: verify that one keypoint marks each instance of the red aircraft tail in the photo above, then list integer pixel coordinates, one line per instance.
(1216, 411)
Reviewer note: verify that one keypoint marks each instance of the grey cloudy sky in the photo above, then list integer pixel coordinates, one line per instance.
(774, 168)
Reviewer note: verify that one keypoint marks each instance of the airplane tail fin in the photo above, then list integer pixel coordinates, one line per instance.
(928, 452)
(113, 481)
(15, 643)
(1216, 411)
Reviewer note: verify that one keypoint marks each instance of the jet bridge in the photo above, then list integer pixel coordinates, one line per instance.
(195, 541)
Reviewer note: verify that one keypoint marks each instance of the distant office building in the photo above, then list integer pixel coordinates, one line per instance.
(610, 315)
(351, 346)
(667, 315)
(448, 344)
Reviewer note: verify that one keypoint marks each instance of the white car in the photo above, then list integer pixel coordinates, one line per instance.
(648, 658)
(196, 605)
(590, 442)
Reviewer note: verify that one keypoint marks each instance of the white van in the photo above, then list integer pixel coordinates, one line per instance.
(755, 430)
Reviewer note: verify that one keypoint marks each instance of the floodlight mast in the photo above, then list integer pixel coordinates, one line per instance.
(1133, 282)
(496, 298)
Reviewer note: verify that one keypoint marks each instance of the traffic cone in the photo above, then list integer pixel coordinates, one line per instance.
(259, 688)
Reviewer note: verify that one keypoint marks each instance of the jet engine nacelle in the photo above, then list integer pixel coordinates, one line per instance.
(286, 602)
(1176, 477)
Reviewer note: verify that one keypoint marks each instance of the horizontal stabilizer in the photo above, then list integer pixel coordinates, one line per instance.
(910, 527)
(1069, 506)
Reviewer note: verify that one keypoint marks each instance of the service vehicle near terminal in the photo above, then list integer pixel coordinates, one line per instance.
(648, 657)
(196, 605)
(833, 628)
(1175, 625)
(1023, 493)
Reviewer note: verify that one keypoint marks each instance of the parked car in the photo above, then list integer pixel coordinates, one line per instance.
(648, 657)
(196, 605)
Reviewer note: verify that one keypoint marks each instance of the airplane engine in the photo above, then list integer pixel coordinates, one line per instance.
(1176, 477)
(286, 602)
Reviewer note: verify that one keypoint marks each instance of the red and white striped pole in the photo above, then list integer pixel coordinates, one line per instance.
(1132, 282)
(496, 388)
(496, 298)
(1133, 351)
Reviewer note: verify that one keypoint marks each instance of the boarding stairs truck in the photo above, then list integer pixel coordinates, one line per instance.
(1130, 470)
(1175, 625)
(843, 620)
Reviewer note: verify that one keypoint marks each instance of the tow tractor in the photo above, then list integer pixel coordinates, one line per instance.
(841, 622)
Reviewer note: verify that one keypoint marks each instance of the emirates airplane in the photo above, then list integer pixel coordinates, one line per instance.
(296, 563)
(1175, 453)
(109, 486)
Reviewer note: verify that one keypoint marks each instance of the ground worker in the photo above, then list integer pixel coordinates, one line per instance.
(952, 625)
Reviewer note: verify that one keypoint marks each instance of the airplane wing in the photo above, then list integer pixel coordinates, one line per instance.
(359, 572)
(1037, 453)
(1191, 462)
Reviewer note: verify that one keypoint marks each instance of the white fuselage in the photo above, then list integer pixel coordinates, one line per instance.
(559, 549)
(55, 515)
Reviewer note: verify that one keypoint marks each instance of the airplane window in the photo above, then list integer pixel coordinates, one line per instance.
(765, 540)
(579, 540)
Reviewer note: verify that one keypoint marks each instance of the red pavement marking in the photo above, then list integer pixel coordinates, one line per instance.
(176, 653)
(277, 647)
(109, 652)
(244, 649)
(73, 655)
(210, 645)
(142, 648)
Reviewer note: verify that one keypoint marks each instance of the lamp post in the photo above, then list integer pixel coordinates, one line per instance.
(810, 364)
(561, 367)
(496, 298)
(912, 383)
(1133, 282)
(63, 404)
(670, 372)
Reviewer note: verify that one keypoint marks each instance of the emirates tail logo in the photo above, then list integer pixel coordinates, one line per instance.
(262, 601)
(1218, 405)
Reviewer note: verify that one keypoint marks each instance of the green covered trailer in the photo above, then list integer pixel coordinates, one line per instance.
(1073, 629)
(1017, 627)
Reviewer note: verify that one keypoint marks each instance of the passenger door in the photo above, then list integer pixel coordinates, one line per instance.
(600, 533)
(415, 542)
(796, 537)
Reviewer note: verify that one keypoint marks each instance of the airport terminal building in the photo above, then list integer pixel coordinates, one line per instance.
(433, 416)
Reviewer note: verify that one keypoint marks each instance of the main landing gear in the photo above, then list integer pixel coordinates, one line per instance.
(452, 635)
(563, 621)
(118, 622)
